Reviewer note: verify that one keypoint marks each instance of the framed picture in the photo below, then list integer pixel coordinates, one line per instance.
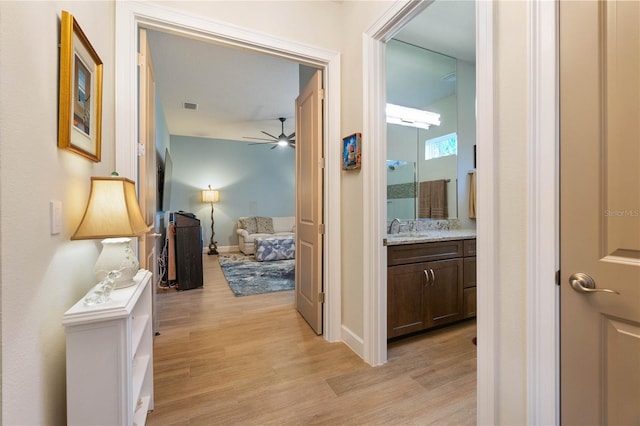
(351, 151)
(80, 103)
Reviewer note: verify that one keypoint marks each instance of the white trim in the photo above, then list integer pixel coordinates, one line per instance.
(542, 224)
(132, 15)
(353, 341)
(487, 218)
(374, 179)
(374, 254)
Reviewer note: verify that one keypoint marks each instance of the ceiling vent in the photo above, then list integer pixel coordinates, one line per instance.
(190, 105)
(449, 77)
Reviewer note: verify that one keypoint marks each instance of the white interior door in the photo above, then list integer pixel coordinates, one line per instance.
(600, 212)
(309, 202)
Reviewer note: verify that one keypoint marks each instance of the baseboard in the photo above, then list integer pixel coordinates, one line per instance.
(353, 341)
(223, 249)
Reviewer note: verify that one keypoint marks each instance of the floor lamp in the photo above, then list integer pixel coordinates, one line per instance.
(211, 196)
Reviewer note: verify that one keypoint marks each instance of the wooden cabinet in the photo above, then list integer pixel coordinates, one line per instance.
(188, 252)
(405, 301)
(443, 292)
(110, 358)
(469, 274)
(427, 285)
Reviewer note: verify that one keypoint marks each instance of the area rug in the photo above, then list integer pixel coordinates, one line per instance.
(247, 276)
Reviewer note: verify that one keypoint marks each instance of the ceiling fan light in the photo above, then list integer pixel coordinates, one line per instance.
(283, 142)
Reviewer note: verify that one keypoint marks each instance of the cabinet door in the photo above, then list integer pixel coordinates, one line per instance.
(469, 298)
(469, 304)
(443, 292)
(405, 309)
(188, 257)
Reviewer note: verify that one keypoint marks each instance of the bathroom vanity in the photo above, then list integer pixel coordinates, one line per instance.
(431, 279)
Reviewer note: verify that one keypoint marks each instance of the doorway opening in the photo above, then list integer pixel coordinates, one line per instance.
(134, 16)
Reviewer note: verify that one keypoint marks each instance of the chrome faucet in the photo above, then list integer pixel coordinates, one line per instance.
(390, 230)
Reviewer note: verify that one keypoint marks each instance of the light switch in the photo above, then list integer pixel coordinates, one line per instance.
(55, 216)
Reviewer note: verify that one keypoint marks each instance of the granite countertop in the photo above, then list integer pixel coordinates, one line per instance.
(430, 235)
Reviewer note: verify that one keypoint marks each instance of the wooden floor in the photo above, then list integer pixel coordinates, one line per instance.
(225, 360)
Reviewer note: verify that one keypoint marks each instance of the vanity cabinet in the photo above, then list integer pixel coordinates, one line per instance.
(110, 357)
(427, 286)
(469, 280)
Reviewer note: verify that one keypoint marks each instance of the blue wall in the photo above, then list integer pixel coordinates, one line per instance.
(162, 132)
(252, 180)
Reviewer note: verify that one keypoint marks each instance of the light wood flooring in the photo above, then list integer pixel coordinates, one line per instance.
(225, 360)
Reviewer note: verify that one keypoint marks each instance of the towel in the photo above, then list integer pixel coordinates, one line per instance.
(472, 196)
(432, 200)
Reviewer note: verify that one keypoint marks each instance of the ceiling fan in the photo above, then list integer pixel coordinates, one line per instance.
(282, 140)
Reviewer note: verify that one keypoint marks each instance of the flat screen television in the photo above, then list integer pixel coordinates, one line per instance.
(164, 182)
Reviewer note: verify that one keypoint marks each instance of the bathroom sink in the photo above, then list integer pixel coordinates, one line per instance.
(412, 234)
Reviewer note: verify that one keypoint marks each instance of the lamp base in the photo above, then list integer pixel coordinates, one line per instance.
(212, 251)
(116, 255)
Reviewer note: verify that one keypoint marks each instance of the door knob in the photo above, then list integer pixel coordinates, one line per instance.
(583, 283)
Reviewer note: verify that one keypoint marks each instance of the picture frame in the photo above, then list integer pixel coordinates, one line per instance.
(80, 92)
(352, 151)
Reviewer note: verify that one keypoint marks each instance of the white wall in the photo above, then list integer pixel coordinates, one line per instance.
(357, 18)
(42, 275)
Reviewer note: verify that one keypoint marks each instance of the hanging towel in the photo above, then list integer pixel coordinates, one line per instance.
(472, 196)
(433, 199)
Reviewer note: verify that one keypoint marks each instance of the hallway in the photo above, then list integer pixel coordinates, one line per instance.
(221, 359)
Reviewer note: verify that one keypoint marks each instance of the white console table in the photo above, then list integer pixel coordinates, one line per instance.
(110, 357)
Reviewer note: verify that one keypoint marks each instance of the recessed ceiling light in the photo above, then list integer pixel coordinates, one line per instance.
(190, 105)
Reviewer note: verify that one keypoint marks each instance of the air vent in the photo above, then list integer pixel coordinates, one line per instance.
(449, 77)
(190, 105)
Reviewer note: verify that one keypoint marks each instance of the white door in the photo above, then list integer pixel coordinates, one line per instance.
(600, 212)
(309, 202)
(147, 173)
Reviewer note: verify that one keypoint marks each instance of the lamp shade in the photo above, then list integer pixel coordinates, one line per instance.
(112, 210)
(210, 196)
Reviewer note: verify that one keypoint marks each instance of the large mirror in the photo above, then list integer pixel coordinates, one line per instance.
(425, 175)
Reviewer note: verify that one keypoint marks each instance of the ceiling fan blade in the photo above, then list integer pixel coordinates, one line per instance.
(275, 146)
(291, 135)
(258, 139)
(269, 134)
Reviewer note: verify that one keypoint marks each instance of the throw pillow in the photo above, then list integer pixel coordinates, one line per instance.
(265, 225)
(250, 224)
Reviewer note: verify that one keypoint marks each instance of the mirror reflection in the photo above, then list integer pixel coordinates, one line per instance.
(426, 176)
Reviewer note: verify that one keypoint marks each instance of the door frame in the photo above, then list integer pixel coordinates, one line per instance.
(542, 301)
(130, 16)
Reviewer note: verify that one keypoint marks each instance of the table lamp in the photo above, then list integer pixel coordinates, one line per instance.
(113, 213)
(211, 196)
